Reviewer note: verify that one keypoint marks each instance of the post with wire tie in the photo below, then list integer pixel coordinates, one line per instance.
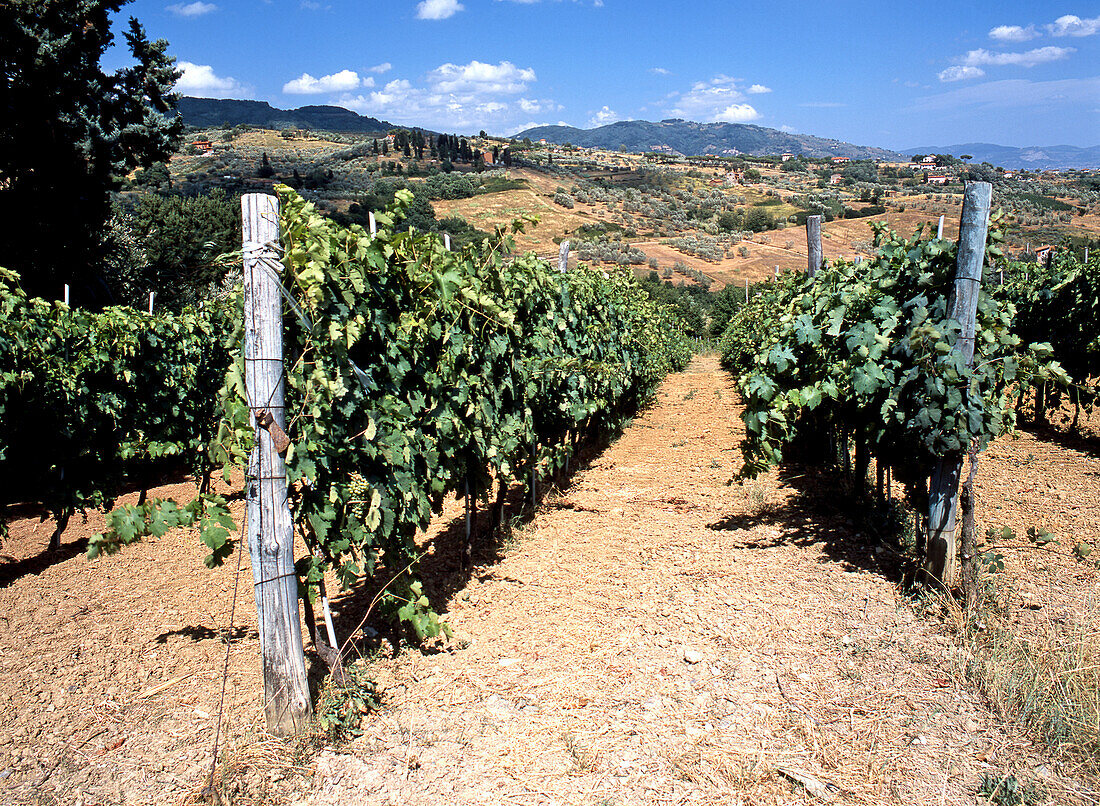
(814, 257)
(287, 705)
(941, 562)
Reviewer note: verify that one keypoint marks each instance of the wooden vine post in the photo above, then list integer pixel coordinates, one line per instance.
(563, 257)
(287, 704)
(941, 554)
(813, 244)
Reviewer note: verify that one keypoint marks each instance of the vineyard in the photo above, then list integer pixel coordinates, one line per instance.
(426, 387)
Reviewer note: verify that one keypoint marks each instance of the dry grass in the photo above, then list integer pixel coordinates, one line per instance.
(1050, 683)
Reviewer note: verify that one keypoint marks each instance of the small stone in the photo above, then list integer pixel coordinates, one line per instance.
(692, 656)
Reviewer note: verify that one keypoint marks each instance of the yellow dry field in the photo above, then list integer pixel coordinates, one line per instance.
(492, 209)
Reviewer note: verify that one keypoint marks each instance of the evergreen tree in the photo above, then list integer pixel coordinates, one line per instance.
(69, 133)
(265, 170)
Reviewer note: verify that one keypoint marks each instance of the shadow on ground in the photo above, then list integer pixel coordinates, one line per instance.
(12, 570)
(820, 512)
(1082, 441)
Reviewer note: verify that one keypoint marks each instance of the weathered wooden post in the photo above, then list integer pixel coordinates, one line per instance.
(287, 704)
(746, 289)
(447, 241)
(152, 294)
(940, 560)
(813, 244)
(373, 223)
(66, 293)
(939, 229)
(563, 257)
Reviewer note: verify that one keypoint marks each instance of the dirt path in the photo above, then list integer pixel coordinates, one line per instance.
(658, 637)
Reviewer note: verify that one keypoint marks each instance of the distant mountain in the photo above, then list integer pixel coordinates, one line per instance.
(1033, 158)
(206, 112)
(698, 139)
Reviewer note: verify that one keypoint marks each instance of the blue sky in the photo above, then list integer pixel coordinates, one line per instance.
(875, 73)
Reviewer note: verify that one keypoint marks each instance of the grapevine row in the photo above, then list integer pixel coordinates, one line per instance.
(864, 354)
(414, 373)
(92, 402)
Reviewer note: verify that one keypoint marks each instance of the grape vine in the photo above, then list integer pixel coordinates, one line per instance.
(90, 402)
(414, 371)
(865, 353)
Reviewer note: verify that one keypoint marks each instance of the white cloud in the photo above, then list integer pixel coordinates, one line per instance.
(481, 78)
(384, 67)
(717, 100)
(787, 129)
(1072, 25)
(1029, 58)
(661, 71)
(1013, 33)
(758, 89)
(200, 79)
(605, 116)
(823, 104)
(958, 72)
(437, 9)
(736, 113)
(344, 81)
(456, 97)
(196, 9)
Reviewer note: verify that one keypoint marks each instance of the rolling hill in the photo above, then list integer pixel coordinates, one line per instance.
(206, 112)
(1032, 158)
(698, 139)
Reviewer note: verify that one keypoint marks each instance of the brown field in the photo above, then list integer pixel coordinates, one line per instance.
(490, 210)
